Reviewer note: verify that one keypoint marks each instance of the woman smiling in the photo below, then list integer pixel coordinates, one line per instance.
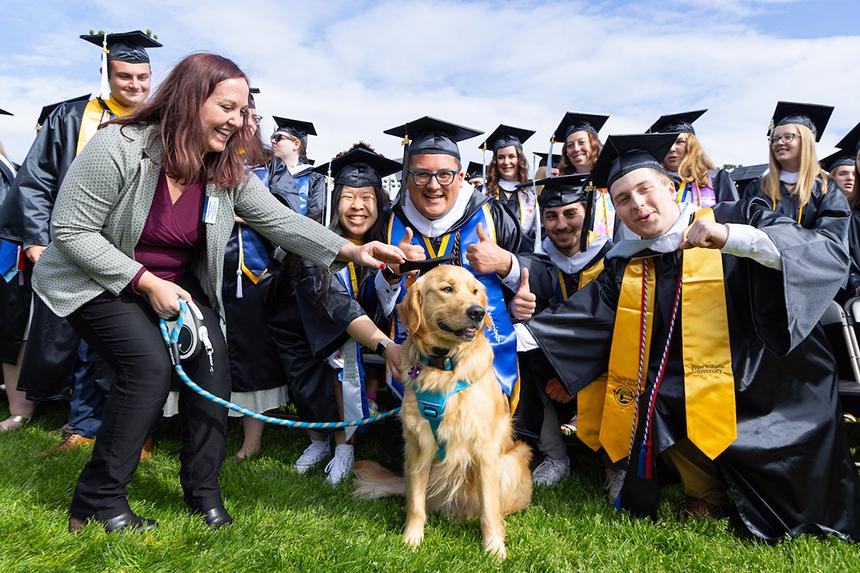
(142, 220)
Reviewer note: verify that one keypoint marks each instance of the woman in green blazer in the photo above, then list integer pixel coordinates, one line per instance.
(142, 219)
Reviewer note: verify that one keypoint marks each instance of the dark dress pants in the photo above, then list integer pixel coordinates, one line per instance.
(124, 331)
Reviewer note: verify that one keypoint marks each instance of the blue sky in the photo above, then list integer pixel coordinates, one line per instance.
(357, 68)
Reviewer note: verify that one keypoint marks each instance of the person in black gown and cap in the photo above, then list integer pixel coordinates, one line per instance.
(291, 173)
(697, 179)
(318, 323)
(55, 358)
(573, 258)
(508, 171)
(738, 390)
(439, 215)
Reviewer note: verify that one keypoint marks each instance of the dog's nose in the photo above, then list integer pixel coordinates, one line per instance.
(476, 312)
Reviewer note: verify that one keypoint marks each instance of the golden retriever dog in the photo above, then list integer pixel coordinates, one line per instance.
(484, 472)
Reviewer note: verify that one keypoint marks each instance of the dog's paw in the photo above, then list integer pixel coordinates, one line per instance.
(495, 546)
(413, 535)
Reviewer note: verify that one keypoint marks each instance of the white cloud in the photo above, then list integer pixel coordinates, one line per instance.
(355, 70)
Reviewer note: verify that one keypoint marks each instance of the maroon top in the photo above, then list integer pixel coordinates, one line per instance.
(172, 232)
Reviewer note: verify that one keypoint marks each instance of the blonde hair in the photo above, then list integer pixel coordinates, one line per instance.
(696, 164)
(565, 167)
(493, 175)
(809, 171)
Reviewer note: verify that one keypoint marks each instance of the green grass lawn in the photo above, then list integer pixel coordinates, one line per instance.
(287, 522)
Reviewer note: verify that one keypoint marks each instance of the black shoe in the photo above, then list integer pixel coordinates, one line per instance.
(124, 521)
(215, 517)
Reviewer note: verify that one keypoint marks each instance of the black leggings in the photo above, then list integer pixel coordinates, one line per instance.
(124, 331)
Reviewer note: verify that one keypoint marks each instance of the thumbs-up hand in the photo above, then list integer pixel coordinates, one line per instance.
(486, 256)
(412, 252)
(524, 302)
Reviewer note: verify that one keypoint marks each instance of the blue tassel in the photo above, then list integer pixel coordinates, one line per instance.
(641, 467)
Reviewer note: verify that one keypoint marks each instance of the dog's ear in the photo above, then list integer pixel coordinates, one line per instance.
(410, 309)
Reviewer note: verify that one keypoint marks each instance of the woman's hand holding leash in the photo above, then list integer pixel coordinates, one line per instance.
(162, 295)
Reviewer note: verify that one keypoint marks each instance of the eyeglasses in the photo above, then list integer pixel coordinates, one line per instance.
(444, 177)
(784, 138)
(279, 137)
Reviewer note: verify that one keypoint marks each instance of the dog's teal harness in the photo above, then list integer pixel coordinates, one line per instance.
(432, 404)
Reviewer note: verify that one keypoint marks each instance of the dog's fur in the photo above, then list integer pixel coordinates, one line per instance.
(485, 473)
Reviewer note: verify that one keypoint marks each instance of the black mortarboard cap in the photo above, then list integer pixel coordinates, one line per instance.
(298, 128)
(429, 135)
(574, 121)
(811, 115)
(475, 169)
(129, 47)
(507, 136)
(563, 190)
(4, 112)
(677, 122)
(625, 153)
(359, 167)
(851, 141)
(838, 159)
(746, 173)
(556, 159)
(427, 264)
(46, 111)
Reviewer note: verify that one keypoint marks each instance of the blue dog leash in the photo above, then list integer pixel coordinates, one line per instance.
(171, 340)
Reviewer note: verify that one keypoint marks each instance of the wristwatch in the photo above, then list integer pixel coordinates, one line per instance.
(380, 348)
(388, 274)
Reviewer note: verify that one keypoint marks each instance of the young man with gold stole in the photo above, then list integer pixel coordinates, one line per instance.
(718, 371)
(54, 359)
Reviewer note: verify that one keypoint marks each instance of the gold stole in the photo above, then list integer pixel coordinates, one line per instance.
(709, 385)
(94, 115)
(708, 380)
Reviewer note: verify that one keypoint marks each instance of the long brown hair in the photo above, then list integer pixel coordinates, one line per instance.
(809, 171)
(176, 108)
(493, 175)
(696, 164)
(566, 168)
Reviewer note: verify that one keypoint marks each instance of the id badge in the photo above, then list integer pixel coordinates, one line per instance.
(210, 209)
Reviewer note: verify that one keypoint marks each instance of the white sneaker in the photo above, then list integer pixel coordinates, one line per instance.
(339, 466)
(614, 482)
(551, 471)
(313, 454)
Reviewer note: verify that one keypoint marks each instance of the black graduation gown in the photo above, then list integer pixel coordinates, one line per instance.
(854, 251)
(544, 279)
(25, 216)
(789, 471)
(282, 184)
(512, 204)
(723, 186)
(307, 321)
(14, 297)
(254, 362)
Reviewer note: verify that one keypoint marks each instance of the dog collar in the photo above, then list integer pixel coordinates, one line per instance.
(446, 363)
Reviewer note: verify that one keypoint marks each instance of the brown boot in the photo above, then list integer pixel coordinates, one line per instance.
(146, 451)
(70, 442)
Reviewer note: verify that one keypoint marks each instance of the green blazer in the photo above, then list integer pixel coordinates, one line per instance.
(103, 205)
